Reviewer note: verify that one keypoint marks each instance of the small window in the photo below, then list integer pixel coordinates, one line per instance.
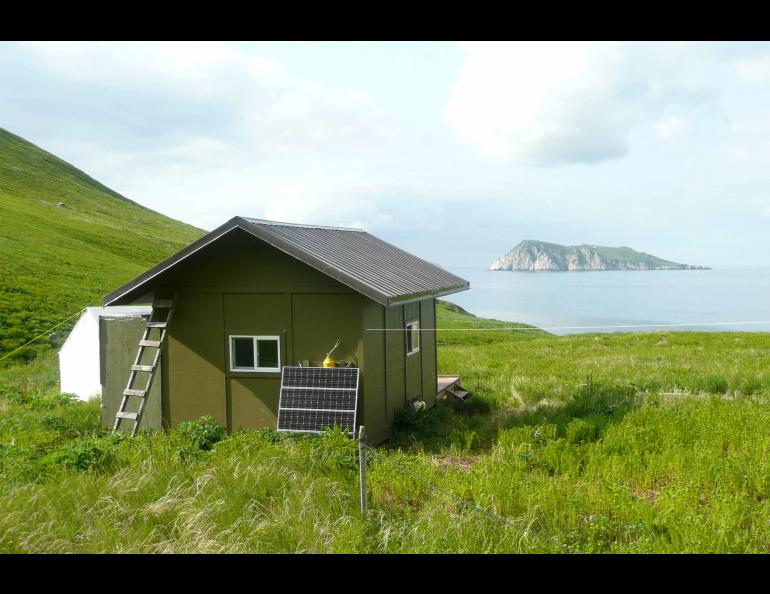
(255, 353)
(412, 337)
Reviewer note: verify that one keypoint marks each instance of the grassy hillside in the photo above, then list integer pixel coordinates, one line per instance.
(57, 259)
(666, 453)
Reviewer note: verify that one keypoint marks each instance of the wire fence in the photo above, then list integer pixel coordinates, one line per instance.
(604, 327)
(435, 488)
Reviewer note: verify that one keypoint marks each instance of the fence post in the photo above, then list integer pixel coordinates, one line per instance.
(362, 466)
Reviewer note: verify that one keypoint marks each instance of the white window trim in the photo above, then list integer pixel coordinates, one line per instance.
(419, 337)
(256, 354)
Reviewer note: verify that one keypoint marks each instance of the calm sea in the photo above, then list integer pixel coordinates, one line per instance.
(621, 298)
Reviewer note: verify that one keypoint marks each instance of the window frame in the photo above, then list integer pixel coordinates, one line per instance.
(256, 368)
(410, 327)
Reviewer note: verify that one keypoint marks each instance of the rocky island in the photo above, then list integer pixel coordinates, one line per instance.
(534, 256)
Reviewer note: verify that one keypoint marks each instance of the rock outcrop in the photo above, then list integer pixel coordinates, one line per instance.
(535, 256)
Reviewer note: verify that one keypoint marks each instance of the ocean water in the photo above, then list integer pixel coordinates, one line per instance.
(569, 302)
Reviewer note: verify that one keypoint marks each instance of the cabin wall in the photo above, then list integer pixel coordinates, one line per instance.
(118, 343)
(196, 359)
(242, 289)
(243, 286)
(428, 348)
(413, 362)
(409, 376)
(375, 410)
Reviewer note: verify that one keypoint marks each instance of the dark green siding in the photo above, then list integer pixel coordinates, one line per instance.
(245, 287)
(428, 347)
(375, 413)
(413, 361)
(252, 398)
(196, 359)
(320, 319)
(118, 341)
(395, 356)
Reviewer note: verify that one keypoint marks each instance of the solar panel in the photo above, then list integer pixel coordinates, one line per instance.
(316, 397)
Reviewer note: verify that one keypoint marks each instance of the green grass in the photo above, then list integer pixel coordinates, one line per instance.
(55, 260)
(666, 453)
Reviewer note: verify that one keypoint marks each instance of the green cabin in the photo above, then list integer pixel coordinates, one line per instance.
(254, 295)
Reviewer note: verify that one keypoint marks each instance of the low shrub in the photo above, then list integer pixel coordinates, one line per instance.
(203, 433)
(582, 431)
(81, 454)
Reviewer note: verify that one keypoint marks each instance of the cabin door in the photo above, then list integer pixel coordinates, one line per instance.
(413, 338)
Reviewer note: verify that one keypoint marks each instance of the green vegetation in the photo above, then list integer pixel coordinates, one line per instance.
(665, 453)
(55, 260)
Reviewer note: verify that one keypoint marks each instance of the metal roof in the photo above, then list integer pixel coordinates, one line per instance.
(365, 263)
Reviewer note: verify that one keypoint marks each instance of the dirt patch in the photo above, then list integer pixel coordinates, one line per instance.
(648, 495)
(461, 462)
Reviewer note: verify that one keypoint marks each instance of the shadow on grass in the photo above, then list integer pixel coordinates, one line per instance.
(475, 429)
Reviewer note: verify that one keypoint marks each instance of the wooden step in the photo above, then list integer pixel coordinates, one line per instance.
(127, 415)
(459, 393)
(155, 325)
(149, 343)
(128, 392)
(163, 304)
(147, 368)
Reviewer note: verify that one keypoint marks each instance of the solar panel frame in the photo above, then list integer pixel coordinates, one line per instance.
(347, 397)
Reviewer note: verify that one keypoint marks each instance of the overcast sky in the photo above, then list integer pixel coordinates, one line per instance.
(453, 151)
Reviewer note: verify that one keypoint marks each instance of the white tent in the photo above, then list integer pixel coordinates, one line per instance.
(79, 356)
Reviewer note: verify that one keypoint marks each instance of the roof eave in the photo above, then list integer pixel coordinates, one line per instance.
(402, 299)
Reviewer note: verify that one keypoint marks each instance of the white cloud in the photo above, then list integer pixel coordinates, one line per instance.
(161, 101)
(671, 126)
(754, 70)
(548, 103)
(199, 131)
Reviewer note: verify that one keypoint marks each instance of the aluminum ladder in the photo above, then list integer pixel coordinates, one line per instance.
(162, 312)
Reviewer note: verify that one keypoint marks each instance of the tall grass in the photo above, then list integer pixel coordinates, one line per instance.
(666, 453)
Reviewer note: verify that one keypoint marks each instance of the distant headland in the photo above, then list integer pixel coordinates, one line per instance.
(534, 256)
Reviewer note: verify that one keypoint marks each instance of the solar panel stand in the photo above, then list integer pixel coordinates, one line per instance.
(362, 467)
(162, 312)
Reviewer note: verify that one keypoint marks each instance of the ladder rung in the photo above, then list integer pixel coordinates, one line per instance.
(163, 304)
(148, 368)
(155, 325)
(127, 415)
(149, 343)
(128, 392)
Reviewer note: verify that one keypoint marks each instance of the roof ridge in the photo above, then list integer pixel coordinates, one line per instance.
(303, 225)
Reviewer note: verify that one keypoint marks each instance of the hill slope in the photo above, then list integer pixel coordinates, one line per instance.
(535, 256)
(55, 259)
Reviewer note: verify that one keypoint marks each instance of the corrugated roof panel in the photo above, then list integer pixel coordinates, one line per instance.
(389, 270)
(354, 257)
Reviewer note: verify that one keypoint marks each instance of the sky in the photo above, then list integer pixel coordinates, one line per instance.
(453, 151)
